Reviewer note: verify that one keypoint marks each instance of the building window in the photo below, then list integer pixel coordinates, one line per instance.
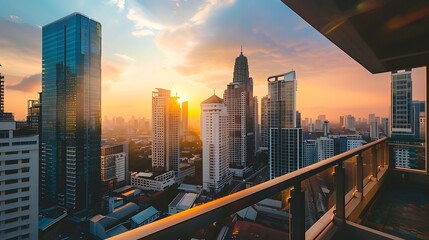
(26, 189)
(11, 162)
(12, 210)
(11, 220)
(26, 160)
(11, 181)
(14, 171)
(10, 153)
(11, 191)
(25, 179)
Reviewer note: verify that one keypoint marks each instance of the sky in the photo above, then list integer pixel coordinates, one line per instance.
(189, 47)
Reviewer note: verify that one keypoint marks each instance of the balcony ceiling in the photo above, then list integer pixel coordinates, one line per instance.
(382, 35)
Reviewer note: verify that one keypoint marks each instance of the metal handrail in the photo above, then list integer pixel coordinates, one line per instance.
(200, 216)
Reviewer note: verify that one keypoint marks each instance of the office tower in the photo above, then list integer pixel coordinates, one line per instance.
(114, 166)
(319, 125)
(19, 168)
(341, 121)
(311, 126)
(71, 113)
(214, 136)
(238, 98)
(349, 122)
(340, 144)
(325, 148)
(325, 128)
(285, 140)
(310, 152)
(298, 119)
(165, 131)
(373, 130)
(264, 122)
(184, 120)
(401, 108)
(371, 118)
(34, 114)
(418, 108)
(256, 123)
(386, 128)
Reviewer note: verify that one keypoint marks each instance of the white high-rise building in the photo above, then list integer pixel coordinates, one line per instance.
(165, 131)
(373, 130)
(354, 143)
(325, 148)
(214, 136)
(19, 184)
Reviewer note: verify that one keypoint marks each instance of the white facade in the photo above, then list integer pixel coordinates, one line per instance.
(114, 162)
(165, 131)
(373, 130)
(147, 180)
(354, 143)
(19, 184)
(214, 136)
(325, 148)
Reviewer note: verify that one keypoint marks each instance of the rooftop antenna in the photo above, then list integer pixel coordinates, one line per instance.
(241, 49)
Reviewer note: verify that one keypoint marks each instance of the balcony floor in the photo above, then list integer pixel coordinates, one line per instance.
(401, 210)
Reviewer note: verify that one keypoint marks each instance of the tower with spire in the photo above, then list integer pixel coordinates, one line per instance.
(239, 100)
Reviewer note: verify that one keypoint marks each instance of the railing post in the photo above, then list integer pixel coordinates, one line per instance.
(298, 213)
(359, 170)
(340, 213)
(374, 165)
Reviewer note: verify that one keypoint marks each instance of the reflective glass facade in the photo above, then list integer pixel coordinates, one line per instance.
(71, 122)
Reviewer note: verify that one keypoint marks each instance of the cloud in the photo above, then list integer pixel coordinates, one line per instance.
(125, 57)
(119, 3)
(32, 83)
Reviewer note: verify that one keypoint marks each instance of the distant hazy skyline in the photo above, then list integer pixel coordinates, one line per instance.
(189, 47)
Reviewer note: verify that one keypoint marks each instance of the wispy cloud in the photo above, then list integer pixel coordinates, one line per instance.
(125, 57)
(31, 83)
(119, 3)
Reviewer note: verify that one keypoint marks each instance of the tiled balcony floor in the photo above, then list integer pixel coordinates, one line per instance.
(401, 210)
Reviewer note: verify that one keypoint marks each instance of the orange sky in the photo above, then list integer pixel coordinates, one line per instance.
(190, 49)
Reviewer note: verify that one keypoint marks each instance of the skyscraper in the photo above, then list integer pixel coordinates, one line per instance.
(214, 136)
(401, 99)
(238, 98)
(310, 152)
(165, 131)
(71, 113)
(264, 122)
(184, 119)
(285, 140)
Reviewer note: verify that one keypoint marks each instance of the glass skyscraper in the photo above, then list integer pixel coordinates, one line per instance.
(71, 113)
(285, 139)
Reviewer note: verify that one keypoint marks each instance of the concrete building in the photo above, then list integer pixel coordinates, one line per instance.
(165, 131)
(310, 152)
(182, 202)
(418, 108)
(114, 166)
(214, 136)
(153, 181)
(19, 183)
(373, 130)
(238, 97)
(144, 217)
(354, 143)
(325, 148)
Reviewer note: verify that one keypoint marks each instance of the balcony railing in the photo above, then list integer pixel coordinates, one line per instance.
(353, 178)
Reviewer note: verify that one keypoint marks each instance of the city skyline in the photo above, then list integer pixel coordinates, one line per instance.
(200, 56)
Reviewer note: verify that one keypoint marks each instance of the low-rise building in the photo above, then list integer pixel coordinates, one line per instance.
(144, 217)
(152, 181)
(182, 202)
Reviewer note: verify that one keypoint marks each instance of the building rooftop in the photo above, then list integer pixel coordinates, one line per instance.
(213, 99)
(144, 215)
